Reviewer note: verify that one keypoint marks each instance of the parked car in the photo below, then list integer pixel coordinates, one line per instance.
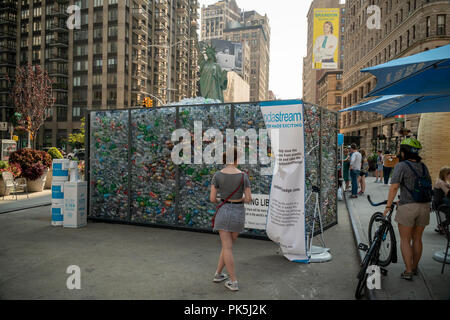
(76, 154)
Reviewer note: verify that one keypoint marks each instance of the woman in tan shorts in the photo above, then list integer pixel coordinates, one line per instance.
(412, 216)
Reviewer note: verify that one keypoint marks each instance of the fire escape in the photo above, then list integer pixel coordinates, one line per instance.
(140, 49)
(161, 49)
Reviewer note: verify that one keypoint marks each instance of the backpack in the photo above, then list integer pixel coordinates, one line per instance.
(423, 190)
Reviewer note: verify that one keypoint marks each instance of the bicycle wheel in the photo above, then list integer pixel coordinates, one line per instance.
(387, 245)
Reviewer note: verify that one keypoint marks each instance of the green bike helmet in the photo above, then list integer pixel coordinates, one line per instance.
(412, 144)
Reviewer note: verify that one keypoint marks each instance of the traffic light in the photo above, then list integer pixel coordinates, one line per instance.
(147, 103)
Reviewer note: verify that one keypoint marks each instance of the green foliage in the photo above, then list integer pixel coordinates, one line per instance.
(4, 165)
(373, 157)
(76, 140)
(55, 153)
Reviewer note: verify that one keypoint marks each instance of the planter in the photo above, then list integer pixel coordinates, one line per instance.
(38, 184)
(2, 188)
(372, 164)
(48, 181)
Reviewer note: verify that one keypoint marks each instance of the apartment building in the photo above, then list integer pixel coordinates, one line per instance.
(124, 51)
(216, 17)
(254, 31)
(8, 50)
(407, 27)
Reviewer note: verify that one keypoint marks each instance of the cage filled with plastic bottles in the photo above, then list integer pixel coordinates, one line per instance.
(134, 177)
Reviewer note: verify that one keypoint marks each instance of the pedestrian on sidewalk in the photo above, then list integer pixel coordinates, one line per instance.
(346, 169)
(388, 164)
(233, 186)
(379, 170)
(443, 184)
(411, 176)
(355, 169)
(364, 172)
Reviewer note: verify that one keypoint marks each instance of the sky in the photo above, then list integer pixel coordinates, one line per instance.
(289, 25)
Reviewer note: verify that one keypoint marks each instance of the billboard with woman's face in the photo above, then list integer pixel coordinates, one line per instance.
(326, 39)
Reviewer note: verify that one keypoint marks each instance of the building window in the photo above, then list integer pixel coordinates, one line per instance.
(112, 78)
(61, 114)
(98, 16)
(97, 79)
(112, 47)
(98, 32)
(61, 137)
(76, 81)
(112, 62)
(112, 14)
(428, 26)
(98, 63)
(440, 25)
(36, 54)
(76, 112)
(37, 12)
(37, 41)
(98, 48)
(112, 31)
(98, 3)
(36, 26)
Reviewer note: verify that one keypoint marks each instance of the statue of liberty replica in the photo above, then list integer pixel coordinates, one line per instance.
(213, 80)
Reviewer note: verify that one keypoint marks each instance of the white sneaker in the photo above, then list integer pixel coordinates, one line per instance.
(220, 277)
(233, 286)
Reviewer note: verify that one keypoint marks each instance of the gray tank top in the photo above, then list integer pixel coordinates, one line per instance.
(227, 183)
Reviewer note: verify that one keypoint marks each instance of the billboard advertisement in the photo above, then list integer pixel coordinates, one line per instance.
(326, 39)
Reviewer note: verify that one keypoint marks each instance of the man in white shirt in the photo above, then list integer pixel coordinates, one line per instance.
(325, 45)
(355, 169)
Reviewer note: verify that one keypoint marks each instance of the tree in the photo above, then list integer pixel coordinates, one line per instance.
(32, 97)
(76, 140)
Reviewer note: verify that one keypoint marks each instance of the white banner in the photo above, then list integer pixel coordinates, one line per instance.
(256, 212)
(286, 214)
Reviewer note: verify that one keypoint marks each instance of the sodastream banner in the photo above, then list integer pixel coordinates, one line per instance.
(286, 215)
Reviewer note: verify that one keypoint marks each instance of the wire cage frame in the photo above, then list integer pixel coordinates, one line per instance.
(131, 179)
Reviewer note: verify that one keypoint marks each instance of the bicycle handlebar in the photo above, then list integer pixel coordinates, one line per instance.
(376, 204)
(394, 204)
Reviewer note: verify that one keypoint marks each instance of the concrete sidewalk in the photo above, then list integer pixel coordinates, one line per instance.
(131, 262)
(430, 284)
(34, 199)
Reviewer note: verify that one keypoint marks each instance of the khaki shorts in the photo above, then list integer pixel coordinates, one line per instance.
(413, 214)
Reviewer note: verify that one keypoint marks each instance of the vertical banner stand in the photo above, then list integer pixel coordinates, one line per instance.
(317, 254)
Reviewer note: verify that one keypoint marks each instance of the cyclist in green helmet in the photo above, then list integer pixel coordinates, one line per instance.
(413, 179)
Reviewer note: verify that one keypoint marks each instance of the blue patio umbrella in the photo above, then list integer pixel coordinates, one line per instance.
(394, 105)
(425, 73)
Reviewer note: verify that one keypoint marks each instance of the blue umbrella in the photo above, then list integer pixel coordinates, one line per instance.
(394, 105)
(425, 73)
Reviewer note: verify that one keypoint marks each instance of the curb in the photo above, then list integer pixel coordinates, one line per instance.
(369, 293)
(28, 207)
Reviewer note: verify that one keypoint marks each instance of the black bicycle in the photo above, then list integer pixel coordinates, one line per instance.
(382, 249)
